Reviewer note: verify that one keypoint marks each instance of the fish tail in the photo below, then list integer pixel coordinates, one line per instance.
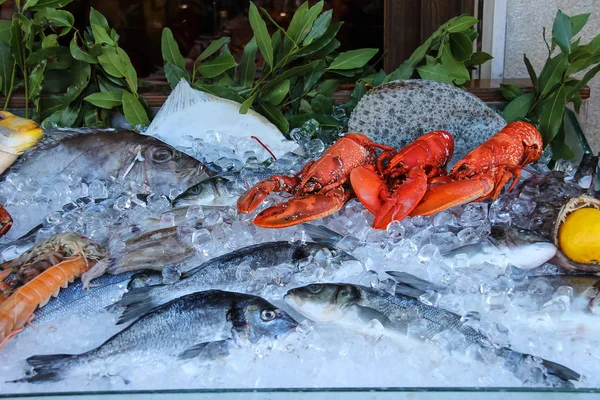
(322, 234)
(555, 374)
(136, 303)
(47, 368)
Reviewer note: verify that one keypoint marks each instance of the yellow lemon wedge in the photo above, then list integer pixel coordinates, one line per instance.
(16, 135)
(579, 235)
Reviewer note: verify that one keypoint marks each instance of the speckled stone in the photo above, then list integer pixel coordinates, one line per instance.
(398, 112)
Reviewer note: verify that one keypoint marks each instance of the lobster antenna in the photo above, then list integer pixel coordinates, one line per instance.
(264, 146)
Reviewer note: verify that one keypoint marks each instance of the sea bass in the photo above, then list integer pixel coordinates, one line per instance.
(199, 324)
(121, 156)
(223, 273)
(363, 309)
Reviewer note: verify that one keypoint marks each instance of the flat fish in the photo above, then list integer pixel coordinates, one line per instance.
(398, 112)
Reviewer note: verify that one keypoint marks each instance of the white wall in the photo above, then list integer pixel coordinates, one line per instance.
(525, 21)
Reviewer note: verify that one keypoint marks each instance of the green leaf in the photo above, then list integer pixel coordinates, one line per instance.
(100, 35)
(116, 63)
(314, 75)
(79, 54)
(328, 87)
(37, 5)
(296, 71)
(105, 99)
(247, 104)
(302, 23)
(435, 72)
(50, 41)
(472, 34)
(322, 104)
(212, 48)
(571, 91)
(462, 23)
(55, 18)
(321, 42)
(216, 66)
(353, 59)
(54, 55)
(325, 51)
(461, 46)
(36, 78)
(247, 68)
(551, 114)
(18, 28)
(518, 108)
(359, 91)
(407, 68)
(261, 34)
(134, 111)
(531, 73)
(553, 72)
(510, 91)
(479, 57)
(5, 30)
(581, 59)
(98, 19)
(276, 94)
(275, 116)
(6, 66)
(578, 22)
(174, 74)
(319, 27)
(220, 91)
(594, 46)
(455, 69)
(67, 116)
(170, 49)
(80, 73)
(105, 85)
(277, 46)
(562, 31)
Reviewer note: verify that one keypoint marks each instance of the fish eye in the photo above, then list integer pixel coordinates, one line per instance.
(524, 232)
(314, 289)
(344, 293)
(162, 155)
(194, 190)
(268, 315)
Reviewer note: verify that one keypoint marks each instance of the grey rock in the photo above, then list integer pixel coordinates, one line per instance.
(398, 112)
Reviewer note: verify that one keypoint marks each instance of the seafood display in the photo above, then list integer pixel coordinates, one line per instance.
(134, 265)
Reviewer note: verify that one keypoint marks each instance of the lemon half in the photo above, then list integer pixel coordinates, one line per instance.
(579, 235)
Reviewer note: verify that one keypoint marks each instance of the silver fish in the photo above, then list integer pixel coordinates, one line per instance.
(222, 273)
(199, 324)
(362, 309)
(106, 290)
(521, 248)
(119, 156)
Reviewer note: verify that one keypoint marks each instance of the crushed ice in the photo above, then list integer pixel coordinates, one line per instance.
(316, 355)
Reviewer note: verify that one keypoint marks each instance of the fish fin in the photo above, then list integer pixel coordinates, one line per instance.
(211, 350)
(415, 282)
(136, 303)
(556, 370)
(408, 291)
(47, 367)
(322, 234)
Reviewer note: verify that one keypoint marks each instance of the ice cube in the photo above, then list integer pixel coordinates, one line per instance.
(170, 275)
(428, 253)
(396, 230)
(200, 237)
(474, 214)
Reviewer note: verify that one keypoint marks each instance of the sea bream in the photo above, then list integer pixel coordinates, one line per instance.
(223, 273)
(374, 311)
(201, 324)
(117, 156)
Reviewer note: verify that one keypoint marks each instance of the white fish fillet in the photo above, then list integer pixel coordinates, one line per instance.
(190, 114)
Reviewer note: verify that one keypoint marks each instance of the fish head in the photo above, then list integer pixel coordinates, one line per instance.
(323, 302)
(523, 248)
(202, 193)
(16, 135)
(263, 319)
(168, 167)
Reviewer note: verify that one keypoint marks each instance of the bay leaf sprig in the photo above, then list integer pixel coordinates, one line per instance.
(555, 88)
(301, 67)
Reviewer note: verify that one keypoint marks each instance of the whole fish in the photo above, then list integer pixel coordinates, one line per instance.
(521, 248)
(122, 156)
(223, 273)
(360, 308)
(105, 290)
(194, 325)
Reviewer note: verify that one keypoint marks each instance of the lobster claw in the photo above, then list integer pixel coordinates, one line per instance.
(252, 197)
(369, 187)
(302, 209)
(403, 200)
(446, 195)
(6, 221)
